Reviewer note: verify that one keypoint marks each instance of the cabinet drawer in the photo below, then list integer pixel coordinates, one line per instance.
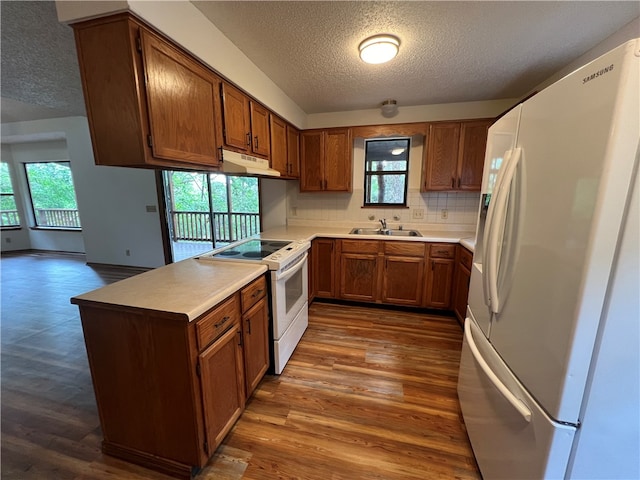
(466, 258)
(253, 292)
(214, 323)
(442, 250)
(360, 246)
(406, 249)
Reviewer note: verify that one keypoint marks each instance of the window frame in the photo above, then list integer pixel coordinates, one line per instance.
(36, 226)
(18, 225)
(369, 174)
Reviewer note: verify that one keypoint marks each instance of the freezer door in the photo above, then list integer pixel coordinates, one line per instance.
(579, 144)
(512, 438)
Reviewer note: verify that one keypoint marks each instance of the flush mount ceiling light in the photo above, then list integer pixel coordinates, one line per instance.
(389, 108)
(397, 151)
(379, 48)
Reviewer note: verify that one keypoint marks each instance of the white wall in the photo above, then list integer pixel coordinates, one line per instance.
(628, 32)
(111, 200)
(15, 239)
(409, 114)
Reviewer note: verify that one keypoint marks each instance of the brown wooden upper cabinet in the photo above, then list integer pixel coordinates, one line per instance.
(149, 104)
(285, 147)
(454, 156)
(326, 160)
(245, 123)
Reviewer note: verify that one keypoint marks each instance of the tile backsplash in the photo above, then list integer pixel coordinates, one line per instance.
(460, 208)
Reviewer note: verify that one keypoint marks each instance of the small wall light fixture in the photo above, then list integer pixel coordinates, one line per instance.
(379, 48)
(389, 108)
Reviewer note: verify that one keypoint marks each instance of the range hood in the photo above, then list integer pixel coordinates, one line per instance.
(241, 164)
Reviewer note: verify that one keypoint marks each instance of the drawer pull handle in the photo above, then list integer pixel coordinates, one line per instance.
(222, 322)
(256, 293)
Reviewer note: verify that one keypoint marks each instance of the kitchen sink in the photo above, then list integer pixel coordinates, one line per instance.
(392, 232)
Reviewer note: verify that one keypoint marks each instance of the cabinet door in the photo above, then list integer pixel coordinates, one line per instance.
(293, 151)
(279, 145)
(440, 163)
(222, 380)
(260, 144)
(255, 327)
(461, 292)
(182, 118)
(359, 277)
(403, 280)
(312, 161)
(337, 160)
(235, 116)
(323, 261)
(439, 282)
(473, 143)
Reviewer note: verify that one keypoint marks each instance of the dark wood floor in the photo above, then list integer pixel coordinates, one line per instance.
(368, 393)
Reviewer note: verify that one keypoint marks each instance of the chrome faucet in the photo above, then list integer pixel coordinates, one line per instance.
(383, 222)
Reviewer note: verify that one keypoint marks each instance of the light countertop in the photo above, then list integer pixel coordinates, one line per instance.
(466, 238)
(190, 287)
(187, 288)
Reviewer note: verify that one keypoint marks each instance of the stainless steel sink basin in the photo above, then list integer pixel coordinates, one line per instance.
(392, 232)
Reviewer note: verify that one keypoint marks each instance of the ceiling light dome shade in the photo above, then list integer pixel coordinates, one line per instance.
(389, 108)
(379, 48)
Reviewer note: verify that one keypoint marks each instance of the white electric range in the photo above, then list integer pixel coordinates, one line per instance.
(287, 263)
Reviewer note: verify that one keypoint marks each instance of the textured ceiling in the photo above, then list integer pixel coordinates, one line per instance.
(40, 76)
(450, 52)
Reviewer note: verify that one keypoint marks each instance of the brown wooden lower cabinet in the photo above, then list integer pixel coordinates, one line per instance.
(440, 275)
(322, 269)
(390, 272)
(168, 389)
(255, 329)
(403, 274)
(461, 282)
(359, 270)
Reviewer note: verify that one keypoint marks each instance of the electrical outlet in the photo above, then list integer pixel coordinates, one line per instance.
(444, 213)
(127, 253)
(417, 213)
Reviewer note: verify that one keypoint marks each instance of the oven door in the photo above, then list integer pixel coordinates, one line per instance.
(289, 293)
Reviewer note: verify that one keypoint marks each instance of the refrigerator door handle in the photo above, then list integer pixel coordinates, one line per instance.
(518, 404)
(497, 229)
(488, 231)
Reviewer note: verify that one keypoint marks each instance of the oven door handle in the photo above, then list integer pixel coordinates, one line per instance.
(293, 269)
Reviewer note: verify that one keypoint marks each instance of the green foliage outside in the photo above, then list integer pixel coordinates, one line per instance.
(7, 200)
(51, 185)
(190, 193)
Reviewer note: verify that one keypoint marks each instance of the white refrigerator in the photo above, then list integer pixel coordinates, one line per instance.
(549, 375)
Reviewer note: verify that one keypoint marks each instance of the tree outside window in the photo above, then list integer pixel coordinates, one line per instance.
(386, 169)
(8, 211)
(211, 209)
(53, 196)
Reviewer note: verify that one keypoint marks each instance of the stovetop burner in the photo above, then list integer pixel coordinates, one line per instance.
(253, 249)
(276, 254)
(258, 254)
(229, 253)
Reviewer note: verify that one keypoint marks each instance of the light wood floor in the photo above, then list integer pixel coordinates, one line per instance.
(368, 394)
